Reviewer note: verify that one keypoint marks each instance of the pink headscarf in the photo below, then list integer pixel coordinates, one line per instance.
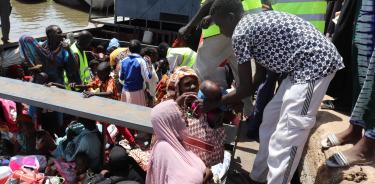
(170, 162)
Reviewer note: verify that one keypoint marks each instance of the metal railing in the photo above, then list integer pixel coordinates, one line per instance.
(96, 108)
(69, 102)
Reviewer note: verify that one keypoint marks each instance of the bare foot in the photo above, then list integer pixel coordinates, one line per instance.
(363, 150)
(351, 135)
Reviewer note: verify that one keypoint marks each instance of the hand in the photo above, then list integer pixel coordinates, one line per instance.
(147, 59)
(37, 68)
(206, 22)
(65, 45)
(185, 31)
(265, 7)
(182, 99)
(207, 176)
(88, 94)
(337, 14)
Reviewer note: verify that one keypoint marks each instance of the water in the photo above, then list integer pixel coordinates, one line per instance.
(32, 19)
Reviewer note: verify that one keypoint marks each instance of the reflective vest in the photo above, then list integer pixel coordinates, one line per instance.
(310, 10)
(84, 70)
(248, 6)
(189, 56)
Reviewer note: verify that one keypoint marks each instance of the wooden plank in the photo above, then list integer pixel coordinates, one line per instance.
(95, 108)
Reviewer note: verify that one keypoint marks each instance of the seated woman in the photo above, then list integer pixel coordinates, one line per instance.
(120, 168)
(81, 138)
(170, 161)
(182, 80)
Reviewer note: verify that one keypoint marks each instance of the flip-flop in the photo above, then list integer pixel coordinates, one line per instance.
(338, 160)
(328, 104)
(330, 141)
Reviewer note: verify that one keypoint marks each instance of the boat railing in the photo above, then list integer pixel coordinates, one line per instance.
(69, 102)
(95, 108)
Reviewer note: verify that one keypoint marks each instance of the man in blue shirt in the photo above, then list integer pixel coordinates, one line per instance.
(135, 71)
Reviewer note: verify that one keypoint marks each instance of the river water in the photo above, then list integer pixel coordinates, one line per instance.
(32, 19)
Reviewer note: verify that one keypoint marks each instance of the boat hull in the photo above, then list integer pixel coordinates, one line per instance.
(100, 4)
(72, 3)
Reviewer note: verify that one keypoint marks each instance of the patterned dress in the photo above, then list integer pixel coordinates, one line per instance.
(363, 113)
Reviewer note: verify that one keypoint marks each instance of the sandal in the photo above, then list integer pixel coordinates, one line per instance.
(328, 104)
(330, 141)
(340, 160)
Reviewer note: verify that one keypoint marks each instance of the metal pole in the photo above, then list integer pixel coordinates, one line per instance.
(90, 12)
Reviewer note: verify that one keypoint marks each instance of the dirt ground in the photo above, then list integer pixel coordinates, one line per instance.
(313, 165)
(312, 168)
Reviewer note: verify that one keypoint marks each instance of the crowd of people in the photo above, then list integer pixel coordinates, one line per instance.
(194, 94)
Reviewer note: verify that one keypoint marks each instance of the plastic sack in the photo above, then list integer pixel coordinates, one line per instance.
(28, 176)
(36, 162)
(220, 170)
(5, 173)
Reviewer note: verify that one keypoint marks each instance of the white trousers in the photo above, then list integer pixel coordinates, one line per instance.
(287, 121)
(214, 51)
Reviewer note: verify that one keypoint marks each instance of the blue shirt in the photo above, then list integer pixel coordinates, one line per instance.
(56, 63)
(134, 72)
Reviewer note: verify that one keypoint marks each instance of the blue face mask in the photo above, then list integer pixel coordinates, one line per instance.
(201, 95)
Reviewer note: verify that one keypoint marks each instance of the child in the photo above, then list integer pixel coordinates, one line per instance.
(25, 139)
(93, 66)
(211, 91)
(104, 85)
(151, 56)
(44, 142)
(100, 53)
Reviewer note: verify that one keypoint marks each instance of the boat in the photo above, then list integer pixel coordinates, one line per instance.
(100, 4)
(31, 1)
(79, 4)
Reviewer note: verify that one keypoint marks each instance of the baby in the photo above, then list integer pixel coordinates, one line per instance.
(210, 91)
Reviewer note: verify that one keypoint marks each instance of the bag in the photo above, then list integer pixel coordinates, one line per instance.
(9, 113)
(28, 176)
(204, 141)
(66, 170)
(141, 157)
(5, 173)
(35, 162)
(54, 180)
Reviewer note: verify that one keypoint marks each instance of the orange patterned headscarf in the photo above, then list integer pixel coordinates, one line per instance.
(168, 87)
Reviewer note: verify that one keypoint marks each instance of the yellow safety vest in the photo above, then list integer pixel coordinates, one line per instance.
(310, 10)
(248, 5)
(189, 56)
(84, 71)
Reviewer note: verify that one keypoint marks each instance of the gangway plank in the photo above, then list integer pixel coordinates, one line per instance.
(95, 108)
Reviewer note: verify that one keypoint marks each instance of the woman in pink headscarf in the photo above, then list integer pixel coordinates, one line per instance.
(170, 162)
